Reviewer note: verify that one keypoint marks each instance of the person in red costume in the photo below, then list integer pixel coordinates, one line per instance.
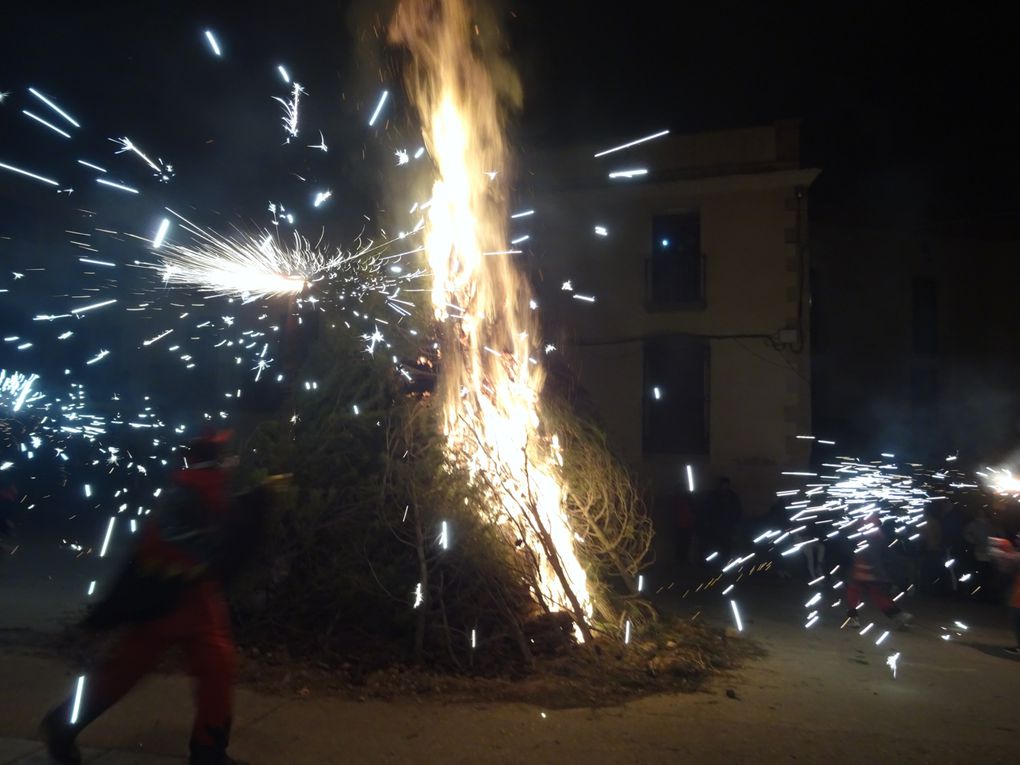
(870, 577)
(1007, 556)
(170, 594)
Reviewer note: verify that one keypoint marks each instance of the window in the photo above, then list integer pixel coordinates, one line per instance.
(925, 315)
(675, 396)
(674, 272)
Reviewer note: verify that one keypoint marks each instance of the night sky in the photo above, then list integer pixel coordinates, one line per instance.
(907, 109)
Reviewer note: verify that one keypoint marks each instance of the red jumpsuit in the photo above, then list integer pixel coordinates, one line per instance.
(870, 578)
(180, 543)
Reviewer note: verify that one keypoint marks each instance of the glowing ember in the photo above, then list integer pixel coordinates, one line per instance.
(490, 390)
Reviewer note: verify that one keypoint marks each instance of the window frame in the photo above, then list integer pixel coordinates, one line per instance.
(654, 304)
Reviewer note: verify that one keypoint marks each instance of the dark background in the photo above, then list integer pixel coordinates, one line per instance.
(907, 107)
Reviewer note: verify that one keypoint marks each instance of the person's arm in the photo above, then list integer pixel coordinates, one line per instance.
(1004, 554)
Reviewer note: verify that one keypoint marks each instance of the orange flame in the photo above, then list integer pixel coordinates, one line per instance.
(490, 381)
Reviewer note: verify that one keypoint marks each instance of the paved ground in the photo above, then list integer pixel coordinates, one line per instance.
(821, 695)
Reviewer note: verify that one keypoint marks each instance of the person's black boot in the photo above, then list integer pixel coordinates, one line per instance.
(214, 753)
(59, 736)
(211, 755)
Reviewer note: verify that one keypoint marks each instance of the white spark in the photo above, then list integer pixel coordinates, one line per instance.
(18, 387)
(164, 226)
(291, 110)
(120, 186)
(378, 108)
(736, 616)
(76, 708)
(93, 306)
(632, 143)
(601, 231)
(632, 173)
(126, 144)
(321, 145)
(283, 73)
(891, 661)
(106, 539)
(690, 478)
(157, 338)
(19, 171)
(89, 164)
(53, 106)
(248, 267)
(212, 42)
(321, 196)
(41, 121)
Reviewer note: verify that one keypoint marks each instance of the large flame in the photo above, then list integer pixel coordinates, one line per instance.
(491, 382)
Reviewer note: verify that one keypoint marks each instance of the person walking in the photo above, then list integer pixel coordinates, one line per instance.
(870, 578)
(169, 594)
(1006, 555)
(684, 518)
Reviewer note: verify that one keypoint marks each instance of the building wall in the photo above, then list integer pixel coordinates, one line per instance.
(759, 392)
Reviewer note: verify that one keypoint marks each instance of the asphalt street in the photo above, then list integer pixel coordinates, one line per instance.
(819, 695)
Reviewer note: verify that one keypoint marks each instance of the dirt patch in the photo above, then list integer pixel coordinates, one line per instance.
(677, 658)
